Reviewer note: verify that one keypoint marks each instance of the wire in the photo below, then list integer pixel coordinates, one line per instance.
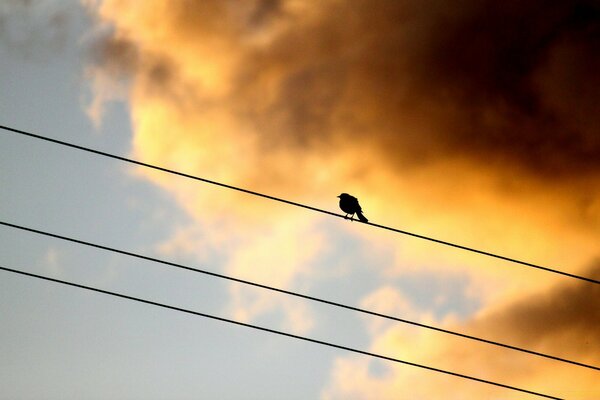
(261, 328)
(293, 203)
(303, 296)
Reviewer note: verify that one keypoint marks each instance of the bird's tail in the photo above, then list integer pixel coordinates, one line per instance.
(361, 216)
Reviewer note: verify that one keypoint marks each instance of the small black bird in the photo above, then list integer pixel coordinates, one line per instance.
(349, 205)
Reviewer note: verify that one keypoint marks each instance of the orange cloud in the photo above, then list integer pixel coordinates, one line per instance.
(563, 321)
(443, 119)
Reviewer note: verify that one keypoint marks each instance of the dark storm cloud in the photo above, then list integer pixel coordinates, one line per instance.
(498, 64)
(500, 83)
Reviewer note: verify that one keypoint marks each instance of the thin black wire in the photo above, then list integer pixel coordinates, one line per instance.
(307, 339)
(293, 203)
(303, 296)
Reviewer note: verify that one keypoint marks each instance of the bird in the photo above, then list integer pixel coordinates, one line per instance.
(349, 205)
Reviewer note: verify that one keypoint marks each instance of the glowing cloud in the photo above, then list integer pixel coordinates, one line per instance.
(474, 122)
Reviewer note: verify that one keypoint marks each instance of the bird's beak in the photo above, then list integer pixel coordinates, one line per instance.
(339, 196)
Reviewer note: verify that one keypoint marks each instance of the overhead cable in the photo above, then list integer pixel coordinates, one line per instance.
(269, 330)
(205, 180)
(291, 293)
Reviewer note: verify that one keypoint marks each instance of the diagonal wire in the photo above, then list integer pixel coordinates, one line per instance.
(303, 296)
(261, 328)
(197, 178)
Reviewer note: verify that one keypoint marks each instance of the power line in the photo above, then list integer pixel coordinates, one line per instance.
(293, 203)
(261, 328)
(303, 296)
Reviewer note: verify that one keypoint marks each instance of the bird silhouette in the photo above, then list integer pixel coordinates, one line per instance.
(349, 205)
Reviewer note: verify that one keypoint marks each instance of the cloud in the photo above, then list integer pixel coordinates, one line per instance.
(401, 90)
(473, 122)
(280, 256)
(386, 300)
(479, 80)
(562, 321)
(569, 313)
(34, 30)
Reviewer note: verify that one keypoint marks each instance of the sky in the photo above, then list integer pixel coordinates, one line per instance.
(474, 122)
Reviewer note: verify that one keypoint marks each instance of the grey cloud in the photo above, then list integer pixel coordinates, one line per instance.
(35, 30)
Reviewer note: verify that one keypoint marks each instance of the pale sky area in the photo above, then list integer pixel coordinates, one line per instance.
(441, 119)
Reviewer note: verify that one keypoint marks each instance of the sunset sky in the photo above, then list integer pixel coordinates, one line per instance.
(474, 122)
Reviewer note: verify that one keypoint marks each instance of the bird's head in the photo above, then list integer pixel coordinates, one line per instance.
(343, 195)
